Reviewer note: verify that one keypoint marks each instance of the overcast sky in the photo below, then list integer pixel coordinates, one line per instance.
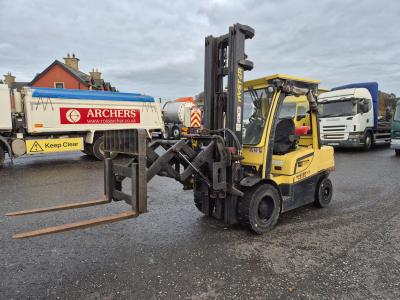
(157, 47)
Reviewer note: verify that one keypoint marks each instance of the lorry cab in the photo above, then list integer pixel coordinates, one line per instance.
(344, 115)
(355, 115)
(395, 132)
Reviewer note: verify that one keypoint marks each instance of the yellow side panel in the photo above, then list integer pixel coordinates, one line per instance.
(53, 145)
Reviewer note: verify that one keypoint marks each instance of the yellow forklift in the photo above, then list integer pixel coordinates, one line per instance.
(246, 165)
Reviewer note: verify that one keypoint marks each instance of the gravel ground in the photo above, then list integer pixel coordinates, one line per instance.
(349, 250)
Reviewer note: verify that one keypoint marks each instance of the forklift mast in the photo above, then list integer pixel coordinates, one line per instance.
(223, 110)
(225, 56)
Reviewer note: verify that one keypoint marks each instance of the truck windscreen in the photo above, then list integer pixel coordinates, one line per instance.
(336, 109)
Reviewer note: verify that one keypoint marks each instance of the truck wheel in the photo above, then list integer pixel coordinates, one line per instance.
(97, 149)
(259, 208)
(367, 141)
(87, 149)
(323, 193)
(166, 134)
(2, 156)
(176, 133)
(397, 151)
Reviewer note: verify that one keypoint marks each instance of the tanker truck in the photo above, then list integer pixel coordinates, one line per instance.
(46, 120)
(180, 116)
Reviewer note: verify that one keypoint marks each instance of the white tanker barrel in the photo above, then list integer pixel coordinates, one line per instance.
(174, 112)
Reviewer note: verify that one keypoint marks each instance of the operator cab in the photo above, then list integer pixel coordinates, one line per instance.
(293, 130)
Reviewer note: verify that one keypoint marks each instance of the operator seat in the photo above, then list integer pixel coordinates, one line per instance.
(285, 137)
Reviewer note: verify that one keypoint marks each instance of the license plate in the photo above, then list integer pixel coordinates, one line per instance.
(333, 144)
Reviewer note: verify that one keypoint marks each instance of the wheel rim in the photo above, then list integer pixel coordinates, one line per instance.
(265, 209)
(326, 192)
(176, 133)
(367, 141)
(101, 148)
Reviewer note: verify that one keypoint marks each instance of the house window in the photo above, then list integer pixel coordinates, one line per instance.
(59, 85)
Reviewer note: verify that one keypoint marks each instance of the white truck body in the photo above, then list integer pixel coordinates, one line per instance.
(5, 108)
(36, 117)
(349, 117)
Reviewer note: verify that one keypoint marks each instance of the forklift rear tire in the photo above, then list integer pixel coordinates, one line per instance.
(259, 208)
(97, 149)
(323, 193)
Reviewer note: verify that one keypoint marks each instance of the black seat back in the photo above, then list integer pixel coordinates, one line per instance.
(285, 139)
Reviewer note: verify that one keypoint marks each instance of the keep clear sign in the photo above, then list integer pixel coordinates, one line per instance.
(54, 145)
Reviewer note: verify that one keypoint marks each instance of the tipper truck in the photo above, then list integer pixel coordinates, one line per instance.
(355, 115)
(43, 120)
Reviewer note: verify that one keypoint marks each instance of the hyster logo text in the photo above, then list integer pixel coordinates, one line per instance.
(83, 115)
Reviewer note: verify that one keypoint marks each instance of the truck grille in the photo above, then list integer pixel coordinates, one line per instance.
(333, 128)
(334, 137)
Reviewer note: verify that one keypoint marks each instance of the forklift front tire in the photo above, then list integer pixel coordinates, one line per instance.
(259, 208)
(198, 202)
(323, 193)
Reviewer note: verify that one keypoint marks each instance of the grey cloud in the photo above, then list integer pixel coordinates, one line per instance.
(156, 47)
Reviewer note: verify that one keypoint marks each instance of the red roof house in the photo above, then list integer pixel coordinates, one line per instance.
(68, 76)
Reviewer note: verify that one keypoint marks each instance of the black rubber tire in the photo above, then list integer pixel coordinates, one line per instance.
(2, 156)
(259, 208)
(397, 151)
(166, 135)
(198, 202)
(367, 141)
(323, 193)
(97, 149)
(176, 133)
(87, 149)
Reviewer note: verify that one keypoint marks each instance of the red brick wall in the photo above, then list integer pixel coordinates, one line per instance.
(58, 74)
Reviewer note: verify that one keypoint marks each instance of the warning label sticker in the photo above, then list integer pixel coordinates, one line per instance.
(54, 145)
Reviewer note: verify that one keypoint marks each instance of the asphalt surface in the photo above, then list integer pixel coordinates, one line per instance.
(349, 250)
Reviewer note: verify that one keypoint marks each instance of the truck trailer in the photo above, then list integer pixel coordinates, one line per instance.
(46, 120)
(355, 115)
